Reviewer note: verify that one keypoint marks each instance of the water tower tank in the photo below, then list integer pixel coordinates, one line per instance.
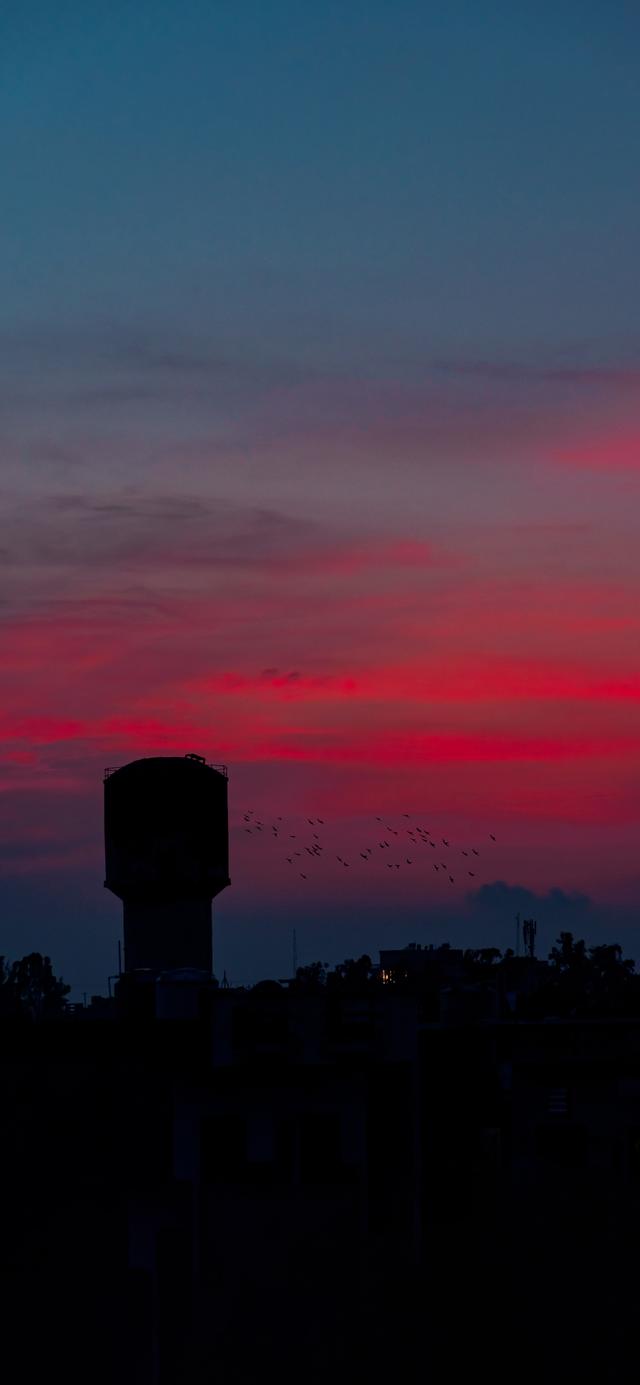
(167, 857)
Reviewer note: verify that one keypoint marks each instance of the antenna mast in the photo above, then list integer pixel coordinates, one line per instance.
(529, 930)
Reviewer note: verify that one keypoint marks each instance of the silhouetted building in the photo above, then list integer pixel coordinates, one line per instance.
(239, 1183)
(167, 857)
(415, 963)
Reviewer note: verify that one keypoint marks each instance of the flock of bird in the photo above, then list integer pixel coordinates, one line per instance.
(411, 838)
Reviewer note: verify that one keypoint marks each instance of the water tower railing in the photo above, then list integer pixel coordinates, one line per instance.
(221, 769)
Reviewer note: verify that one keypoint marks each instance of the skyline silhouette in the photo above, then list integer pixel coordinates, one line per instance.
(390, 893)
(166, 827)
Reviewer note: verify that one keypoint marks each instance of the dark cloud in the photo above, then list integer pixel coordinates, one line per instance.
(490, 919)
(112, 364)
(499, 901)
(116, 394)
(140, 530)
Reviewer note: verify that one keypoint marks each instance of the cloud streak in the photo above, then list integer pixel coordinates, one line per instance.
(617, 453)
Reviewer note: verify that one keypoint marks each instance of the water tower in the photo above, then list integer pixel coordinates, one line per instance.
(167, 857)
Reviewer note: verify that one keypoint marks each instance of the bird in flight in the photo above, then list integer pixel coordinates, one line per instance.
(418, 836)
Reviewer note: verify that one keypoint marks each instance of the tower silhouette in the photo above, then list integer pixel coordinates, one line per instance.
(167, 857)
(529, 930)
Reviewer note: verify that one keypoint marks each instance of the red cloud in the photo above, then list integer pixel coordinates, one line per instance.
(42, 730)
(448, 749)
(345, 558)
(616, 453)
(469, 681)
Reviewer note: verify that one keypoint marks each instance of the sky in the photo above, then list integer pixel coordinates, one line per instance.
(320, 456)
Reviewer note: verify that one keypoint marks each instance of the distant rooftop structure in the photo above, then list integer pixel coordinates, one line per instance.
(402, 963)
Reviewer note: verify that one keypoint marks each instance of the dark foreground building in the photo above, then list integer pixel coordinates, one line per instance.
(216, 1185)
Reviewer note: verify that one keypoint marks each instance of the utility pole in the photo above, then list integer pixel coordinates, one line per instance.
(517, 935)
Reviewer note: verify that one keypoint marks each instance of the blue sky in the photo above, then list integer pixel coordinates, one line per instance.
(447, 177)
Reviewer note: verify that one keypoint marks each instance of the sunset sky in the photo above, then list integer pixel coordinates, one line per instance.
(320, 456)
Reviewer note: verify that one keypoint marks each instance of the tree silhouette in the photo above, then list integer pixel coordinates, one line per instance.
(608, 963)
(589, 981)
(482, 957)
(29, 987)
(567, 955)
(310, 978)
(351, 975)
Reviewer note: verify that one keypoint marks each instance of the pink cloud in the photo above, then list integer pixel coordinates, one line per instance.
(614, 453)
(456, 681)
(451, 749)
